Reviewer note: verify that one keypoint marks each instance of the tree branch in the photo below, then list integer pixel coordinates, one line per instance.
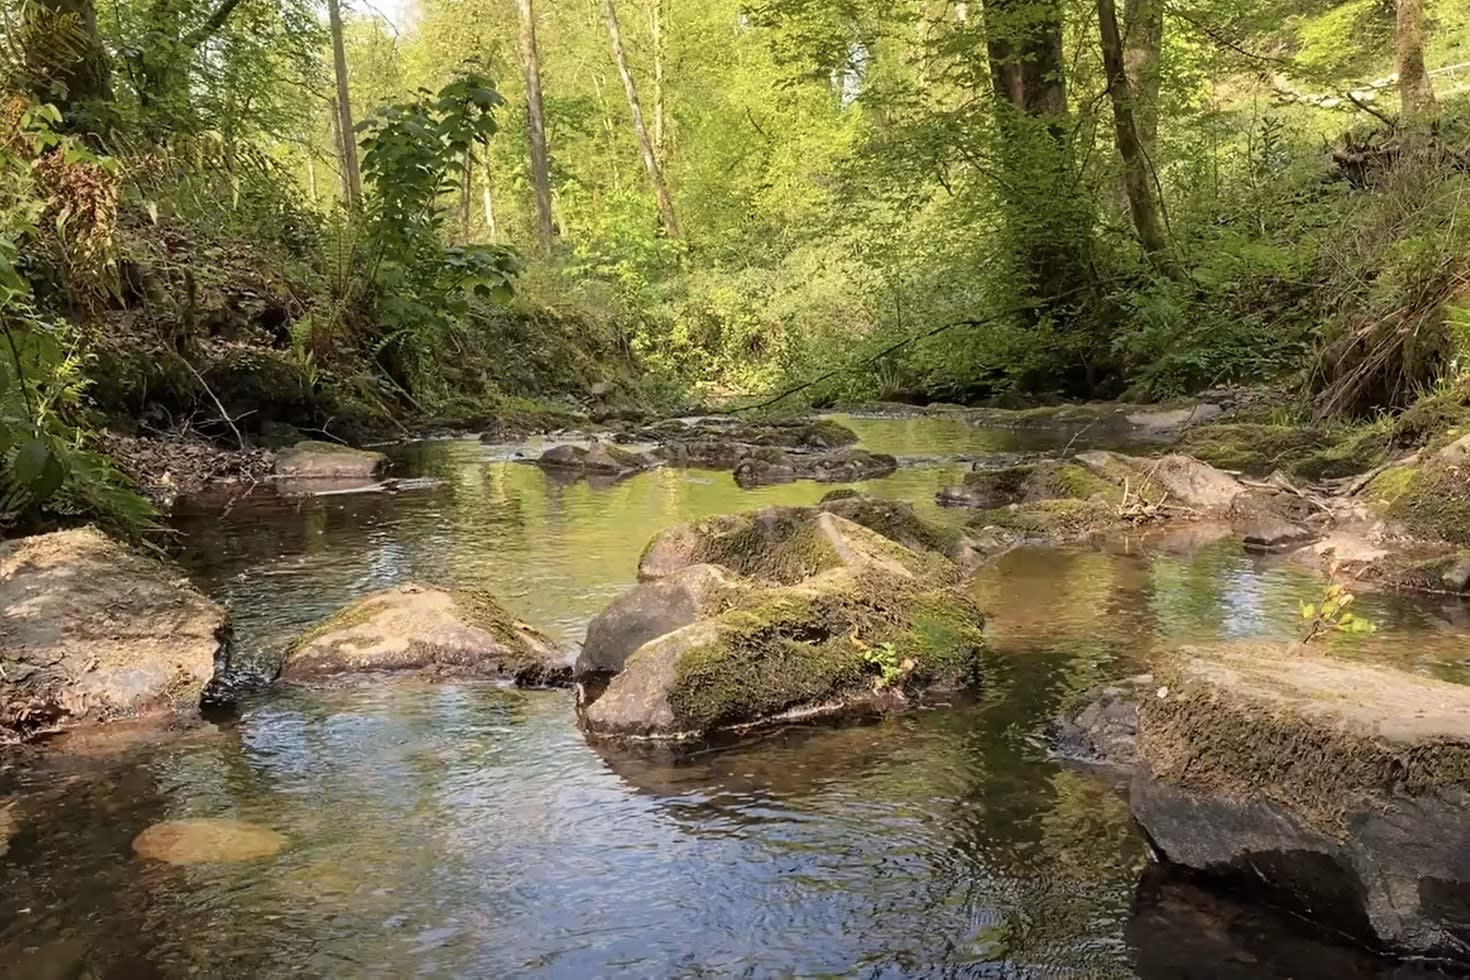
(212, 23)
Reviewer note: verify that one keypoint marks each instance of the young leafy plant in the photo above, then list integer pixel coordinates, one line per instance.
(1331, 615)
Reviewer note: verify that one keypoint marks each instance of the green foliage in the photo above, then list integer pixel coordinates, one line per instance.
(1331, 615)
(46, 467)
(414, 153)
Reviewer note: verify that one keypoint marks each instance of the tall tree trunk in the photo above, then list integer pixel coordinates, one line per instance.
(536, 116)
(660, 133)
(1136, 181)
(1046, 212)
(347, 137)
(75, 74)
(487, 201)
(1143, 40)
(1414, 87)
(645, 147)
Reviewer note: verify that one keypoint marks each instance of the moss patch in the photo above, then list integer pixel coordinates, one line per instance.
(1056, 519)
(1432, 500)
(1318, 736)
(897, 521)
(805, 646)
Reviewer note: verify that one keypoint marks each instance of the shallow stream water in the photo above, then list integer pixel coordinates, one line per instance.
(468, 830)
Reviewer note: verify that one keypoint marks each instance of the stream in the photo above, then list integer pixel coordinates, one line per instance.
(470, 830)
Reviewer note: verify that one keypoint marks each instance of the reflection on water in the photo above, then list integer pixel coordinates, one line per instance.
(465, 830)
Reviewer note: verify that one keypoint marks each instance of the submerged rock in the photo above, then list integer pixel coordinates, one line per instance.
(1105, 730)
(428, 631)
(1341, 789)
(208, 841)
(1274, 534)
(599, 459)
(1046, 480)
(313, 460)
(765, 466)
(91, 632)
(827, 617)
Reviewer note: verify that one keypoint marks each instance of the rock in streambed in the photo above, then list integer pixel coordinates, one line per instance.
(312, 460)
(1341, 790)
(429, 632)
(778, 614)
(90, 632)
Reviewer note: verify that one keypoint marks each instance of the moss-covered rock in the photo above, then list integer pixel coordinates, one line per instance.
(1343, 788)
(1056, 520)
(432, 632)
(785, 545)
(1430, 499)
(897, 521)
(824, 616)
(1047, 480)
(1174, 479)
(599, 459)
(1249, 447)
(815, 648)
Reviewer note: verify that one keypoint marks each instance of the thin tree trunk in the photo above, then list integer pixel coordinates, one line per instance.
(487, 201)
(464, 196)
(536, 117)
(1414, 88)
(645, 147)
(1146, 217)
(343, 188)
(660, 134)
(1143, 39)
(311, 176)
(347, 138)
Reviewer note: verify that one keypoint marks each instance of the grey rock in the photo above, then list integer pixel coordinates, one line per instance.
(1273, 534)
(328, 461)
(90, 632)
(1457, 577)
(651, 609)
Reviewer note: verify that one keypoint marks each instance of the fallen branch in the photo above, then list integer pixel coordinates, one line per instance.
(214, 398)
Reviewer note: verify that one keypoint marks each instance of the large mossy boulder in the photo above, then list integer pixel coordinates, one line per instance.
(429, 632)
(1341, 789)
(817, 615)
(312, 460)
(1430, 499)
(90, 631)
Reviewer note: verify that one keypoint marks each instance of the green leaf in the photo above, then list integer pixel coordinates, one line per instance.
(53, 475)
(30, 462)
(1309, 611)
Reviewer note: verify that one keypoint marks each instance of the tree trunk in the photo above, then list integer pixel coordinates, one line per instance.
(536, 117)
(1136, 181)
(1414, 89)
(660, 133)
(464, 196)
(645, 147)
(1143, 39)
(347, 137)
(1046, 213)
(75, 75)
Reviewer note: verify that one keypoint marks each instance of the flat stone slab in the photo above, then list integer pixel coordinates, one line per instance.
(91, 631)
(1342, 788)
(312, 460)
